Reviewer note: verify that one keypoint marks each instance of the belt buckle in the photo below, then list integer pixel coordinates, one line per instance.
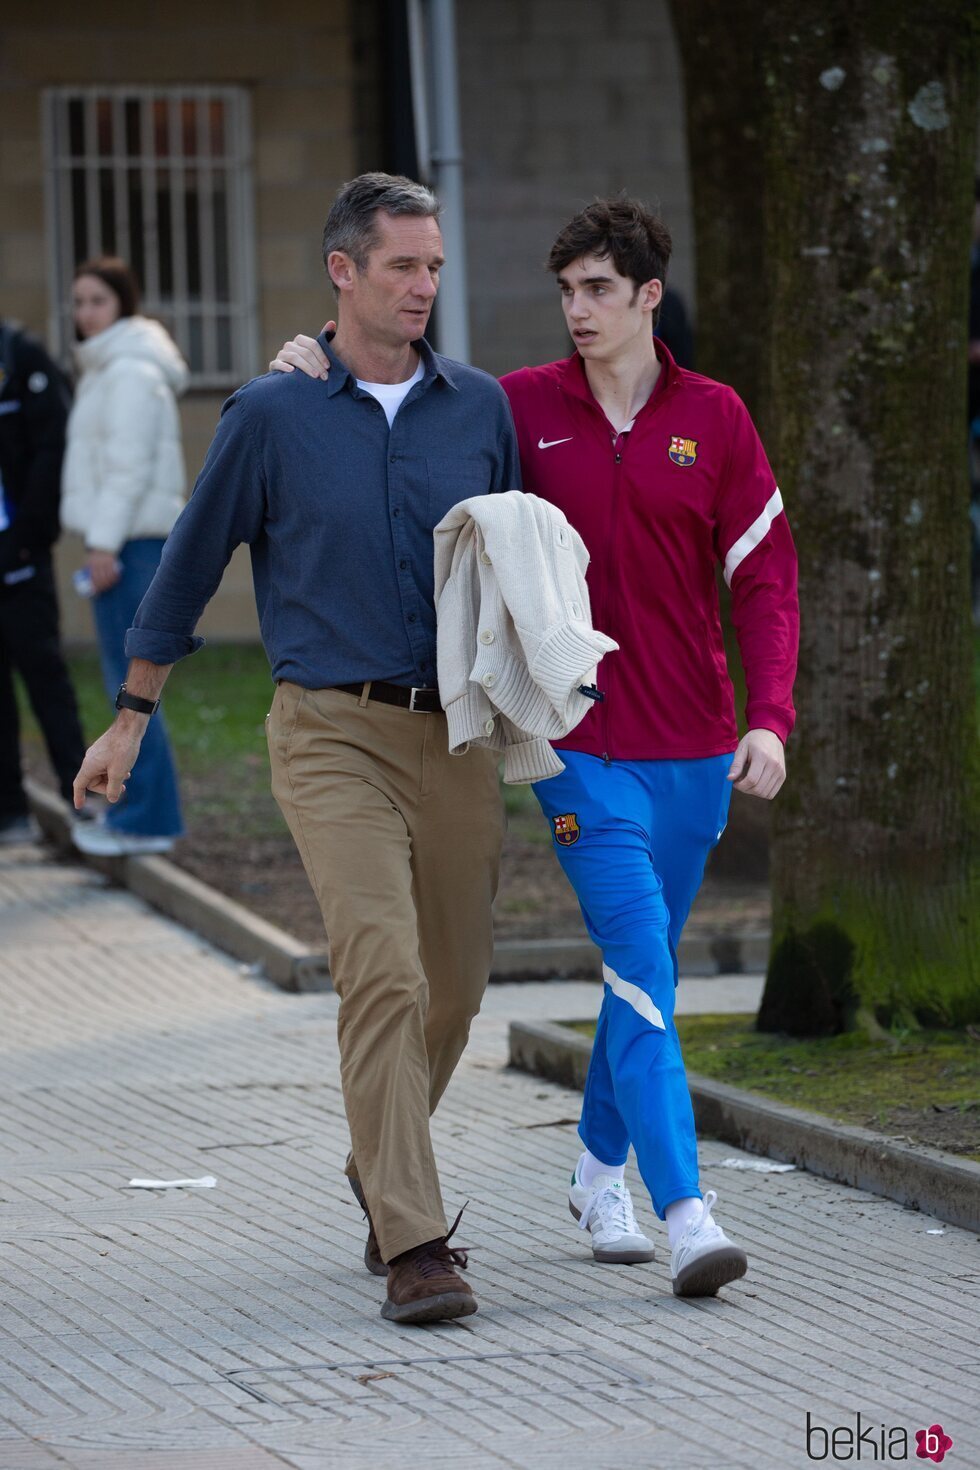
(411, 701)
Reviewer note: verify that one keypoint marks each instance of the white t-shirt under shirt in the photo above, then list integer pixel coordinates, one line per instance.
(391, 395)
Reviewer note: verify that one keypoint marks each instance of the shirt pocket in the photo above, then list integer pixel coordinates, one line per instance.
(453, 480)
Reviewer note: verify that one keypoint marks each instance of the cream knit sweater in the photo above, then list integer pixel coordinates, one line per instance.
(514, 632)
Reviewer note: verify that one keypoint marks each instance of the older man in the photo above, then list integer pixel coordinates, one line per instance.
(336, 487)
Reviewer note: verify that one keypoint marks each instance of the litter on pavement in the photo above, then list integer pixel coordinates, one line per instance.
(757, 1166)
(207, 1181)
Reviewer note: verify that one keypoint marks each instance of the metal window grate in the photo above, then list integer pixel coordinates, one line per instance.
(162, 177)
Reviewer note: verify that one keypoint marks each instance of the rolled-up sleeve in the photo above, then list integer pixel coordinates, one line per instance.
(226, 508)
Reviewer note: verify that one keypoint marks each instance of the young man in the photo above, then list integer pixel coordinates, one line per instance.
(663, 475)
(337, 488)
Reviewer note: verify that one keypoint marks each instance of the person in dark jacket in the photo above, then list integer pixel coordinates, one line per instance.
(674, 329)
(34, 403)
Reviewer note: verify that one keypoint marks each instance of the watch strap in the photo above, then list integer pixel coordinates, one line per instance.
(125, 700)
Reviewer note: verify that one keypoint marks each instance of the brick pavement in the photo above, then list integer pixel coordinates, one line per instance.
(234, 1328)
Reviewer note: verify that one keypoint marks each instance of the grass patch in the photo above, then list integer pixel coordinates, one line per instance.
(921, 1082)
(216, 703)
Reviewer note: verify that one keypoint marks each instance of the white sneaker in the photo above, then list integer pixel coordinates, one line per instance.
(97, 840)
(704, 1258)
(606, 1211)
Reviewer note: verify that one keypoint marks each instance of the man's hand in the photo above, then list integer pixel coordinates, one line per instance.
(108, 764)
(759, 764)
(103, 568)
(305, 353)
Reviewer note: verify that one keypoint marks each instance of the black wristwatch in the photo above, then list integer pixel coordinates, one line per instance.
(125, 700)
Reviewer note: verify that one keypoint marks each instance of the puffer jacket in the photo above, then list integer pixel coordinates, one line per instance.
(123, 474)
(516, 649)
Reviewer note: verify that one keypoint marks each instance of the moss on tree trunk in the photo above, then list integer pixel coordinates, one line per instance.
(862, 126)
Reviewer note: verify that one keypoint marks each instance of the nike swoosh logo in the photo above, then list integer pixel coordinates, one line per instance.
(552, 442)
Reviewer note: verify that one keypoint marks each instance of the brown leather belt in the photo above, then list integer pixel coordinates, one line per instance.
(422, 701)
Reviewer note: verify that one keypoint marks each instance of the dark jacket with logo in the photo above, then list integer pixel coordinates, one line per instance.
(34, 402)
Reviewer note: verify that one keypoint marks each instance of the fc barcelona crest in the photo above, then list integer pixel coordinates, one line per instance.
(567, 829)
(683, 451)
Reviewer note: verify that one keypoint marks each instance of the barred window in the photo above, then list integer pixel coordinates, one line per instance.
(161, 177)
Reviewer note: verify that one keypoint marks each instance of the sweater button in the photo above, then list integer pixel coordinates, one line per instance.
(486, 636)
(489, 680)
(485, 559)
(488, 727)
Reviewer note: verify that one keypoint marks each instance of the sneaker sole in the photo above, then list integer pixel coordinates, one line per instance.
(442, 1308)
(609, 1256)
(705, 1276)
(123, 849)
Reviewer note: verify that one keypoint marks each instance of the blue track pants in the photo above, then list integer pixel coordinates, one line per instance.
(633, 837)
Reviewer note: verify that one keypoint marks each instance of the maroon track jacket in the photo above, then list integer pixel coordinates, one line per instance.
(687, 487)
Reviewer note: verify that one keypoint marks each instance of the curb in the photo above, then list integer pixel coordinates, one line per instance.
(923, 1179)
(577, 958)
(223, 922)
(297, 967)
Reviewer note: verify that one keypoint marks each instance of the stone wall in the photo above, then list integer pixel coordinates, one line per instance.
(562, 100)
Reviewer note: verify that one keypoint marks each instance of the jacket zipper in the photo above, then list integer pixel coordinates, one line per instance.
(618, 447)
(614, 579)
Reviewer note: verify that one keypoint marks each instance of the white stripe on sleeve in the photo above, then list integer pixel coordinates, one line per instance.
(758, 530)
(633, 996)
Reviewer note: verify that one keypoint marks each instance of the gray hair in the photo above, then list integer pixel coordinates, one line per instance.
(350, 225)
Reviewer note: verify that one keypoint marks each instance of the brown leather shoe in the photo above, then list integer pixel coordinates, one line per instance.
(424, 1286)
(372, 1252)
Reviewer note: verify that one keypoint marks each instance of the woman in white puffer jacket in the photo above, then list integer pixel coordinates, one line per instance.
(122, 489)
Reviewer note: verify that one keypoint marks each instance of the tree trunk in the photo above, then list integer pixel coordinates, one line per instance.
(866, 120)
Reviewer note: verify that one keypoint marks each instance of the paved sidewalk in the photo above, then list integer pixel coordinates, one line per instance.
(234, 1328)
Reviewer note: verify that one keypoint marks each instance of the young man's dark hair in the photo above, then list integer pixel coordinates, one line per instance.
(350, 225)
(622, 230)
(118, 276)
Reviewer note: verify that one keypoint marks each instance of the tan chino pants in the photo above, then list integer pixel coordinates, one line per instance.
(401, 842)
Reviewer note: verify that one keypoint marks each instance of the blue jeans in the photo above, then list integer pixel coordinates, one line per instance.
(633, 837)
(151, 806)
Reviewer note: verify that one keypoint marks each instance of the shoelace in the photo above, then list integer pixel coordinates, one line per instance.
(434, 1257)
(704, 1222)
(612, 1208)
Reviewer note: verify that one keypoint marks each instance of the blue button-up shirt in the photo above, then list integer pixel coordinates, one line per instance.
(338, 511)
